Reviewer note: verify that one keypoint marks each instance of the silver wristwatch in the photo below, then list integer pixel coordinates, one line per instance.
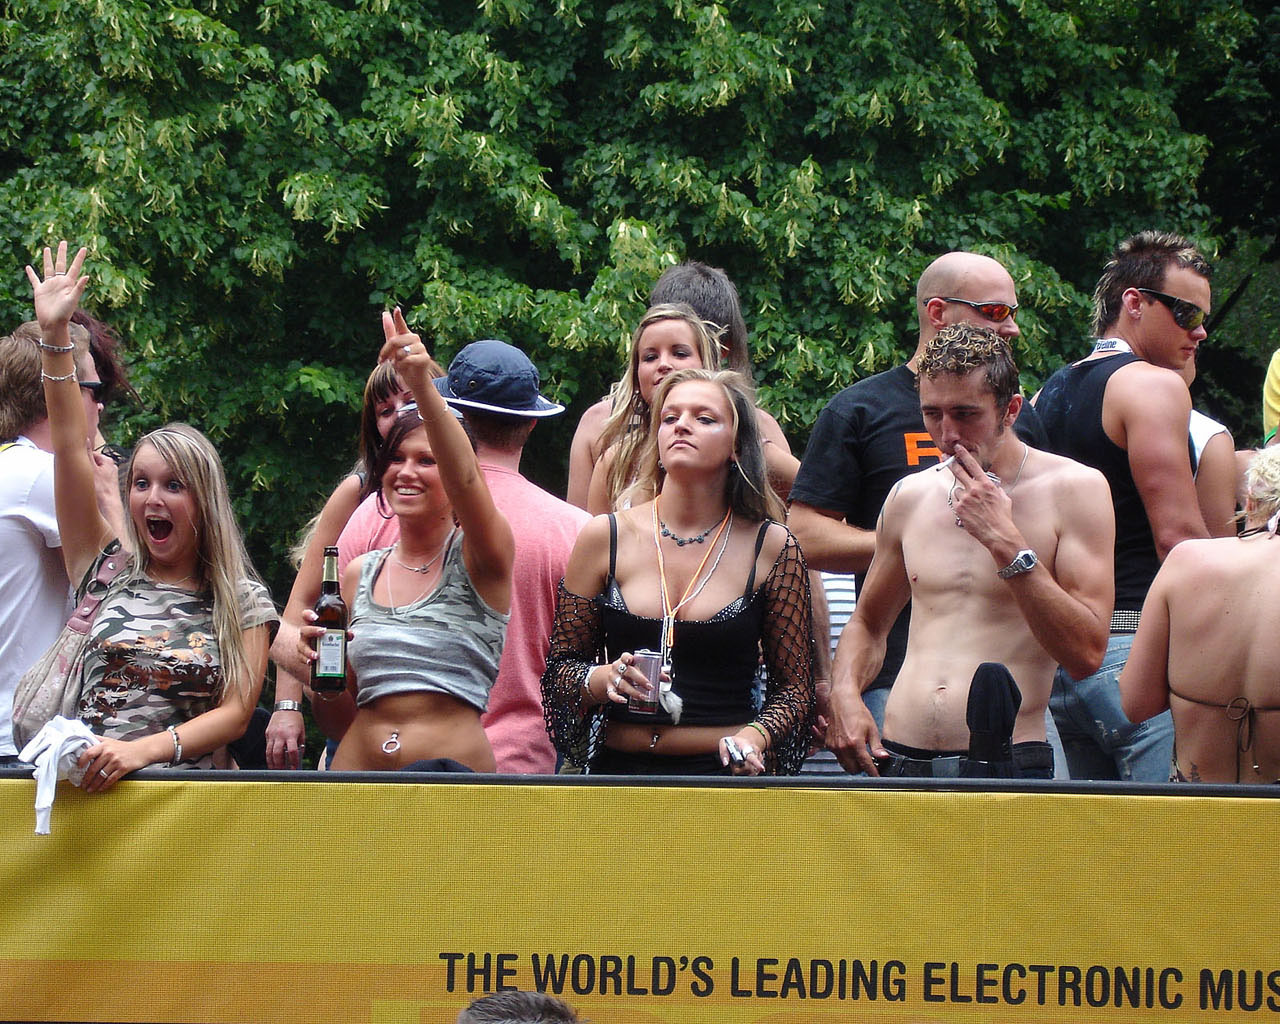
(1024, 561)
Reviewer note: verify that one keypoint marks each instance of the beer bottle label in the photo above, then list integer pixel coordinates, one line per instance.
(332, 648)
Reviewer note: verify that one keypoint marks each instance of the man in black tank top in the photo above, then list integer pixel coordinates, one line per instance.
(1124, 410)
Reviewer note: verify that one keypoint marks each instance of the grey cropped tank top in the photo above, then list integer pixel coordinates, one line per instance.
(449, 641)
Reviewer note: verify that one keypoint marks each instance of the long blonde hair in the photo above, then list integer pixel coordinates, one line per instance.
(746, 489)
(221, 559)
(628, 423)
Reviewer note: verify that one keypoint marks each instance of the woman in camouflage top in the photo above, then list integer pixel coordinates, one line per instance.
(178, 650)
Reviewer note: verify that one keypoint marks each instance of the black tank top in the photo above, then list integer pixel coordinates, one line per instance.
(1070, 407)
(713, 661)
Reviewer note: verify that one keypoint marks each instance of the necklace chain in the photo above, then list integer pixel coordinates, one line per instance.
(1026, 450)
(175, 583)
(682, 541)
(411, 568)
(426, 566)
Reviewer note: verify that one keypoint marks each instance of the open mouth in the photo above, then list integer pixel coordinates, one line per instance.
(159, 529)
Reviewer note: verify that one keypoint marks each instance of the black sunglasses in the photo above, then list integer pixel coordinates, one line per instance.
(1186, 315)
(113, 452)
(994, 311)
(94, 387)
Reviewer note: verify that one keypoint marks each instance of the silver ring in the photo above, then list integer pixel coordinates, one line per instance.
(616, 680)
(405, 349)
(620, 667)
(104, 773)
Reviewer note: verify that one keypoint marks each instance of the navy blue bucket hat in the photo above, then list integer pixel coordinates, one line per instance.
(495, 377)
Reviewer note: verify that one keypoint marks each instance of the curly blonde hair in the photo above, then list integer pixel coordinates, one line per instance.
(964, 347)
(1262, 482)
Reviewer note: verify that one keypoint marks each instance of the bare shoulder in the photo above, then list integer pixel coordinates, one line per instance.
(776, 537)
(770, 429)
(593, 420)
(1147, 386)
(589, 560)
(1066, 475)
(594, 534)
(912, 487)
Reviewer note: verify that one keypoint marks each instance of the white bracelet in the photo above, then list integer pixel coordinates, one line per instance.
(65, 376)
(177, 746)
(55, 348)
(586, 682)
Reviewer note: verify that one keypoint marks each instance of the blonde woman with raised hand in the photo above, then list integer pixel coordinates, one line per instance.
(178, 649)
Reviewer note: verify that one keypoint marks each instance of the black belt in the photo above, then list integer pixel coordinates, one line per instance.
(1028, 755)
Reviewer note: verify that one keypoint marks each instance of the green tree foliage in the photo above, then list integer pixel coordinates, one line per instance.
(256, 180)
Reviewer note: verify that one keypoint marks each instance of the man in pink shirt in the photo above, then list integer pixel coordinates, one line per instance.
(495, 388)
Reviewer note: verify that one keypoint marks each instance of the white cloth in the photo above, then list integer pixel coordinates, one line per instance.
(35, 597)
(55, 751)
(1202, 430)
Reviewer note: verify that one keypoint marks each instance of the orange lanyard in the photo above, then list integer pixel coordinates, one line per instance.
(691, 591)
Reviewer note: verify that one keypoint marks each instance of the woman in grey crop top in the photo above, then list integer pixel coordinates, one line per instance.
(706, 576)
(428, 615)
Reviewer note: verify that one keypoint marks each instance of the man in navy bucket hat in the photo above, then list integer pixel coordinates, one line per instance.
(494, 377)
(496, 389)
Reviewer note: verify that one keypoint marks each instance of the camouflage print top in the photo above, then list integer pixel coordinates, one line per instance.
(152, 656)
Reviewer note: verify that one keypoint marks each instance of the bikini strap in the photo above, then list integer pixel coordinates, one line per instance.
(751, 577)
(613, 546)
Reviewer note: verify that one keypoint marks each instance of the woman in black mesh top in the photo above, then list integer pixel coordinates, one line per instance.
(704, 575)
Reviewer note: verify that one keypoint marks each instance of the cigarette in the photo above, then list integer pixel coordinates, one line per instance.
(945, 463)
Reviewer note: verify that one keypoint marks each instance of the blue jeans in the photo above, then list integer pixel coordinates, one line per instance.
(1099, 741)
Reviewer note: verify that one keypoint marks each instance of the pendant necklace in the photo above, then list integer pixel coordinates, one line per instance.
(1026, 450)
(682, 541)
(425, 568)
(422, 569)
(693, 589)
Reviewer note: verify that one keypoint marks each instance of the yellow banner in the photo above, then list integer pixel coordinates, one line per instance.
(400, 902)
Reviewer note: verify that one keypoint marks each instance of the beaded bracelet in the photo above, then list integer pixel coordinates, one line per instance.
(177, 746)
(55, 348)
(760, 729)
(65, 376)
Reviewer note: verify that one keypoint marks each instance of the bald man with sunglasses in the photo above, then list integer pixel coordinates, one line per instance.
(1124, 410)
(872, 434)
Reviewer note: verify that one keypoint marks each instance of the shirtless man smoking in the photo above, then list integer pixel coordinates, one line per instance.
(1014, 571)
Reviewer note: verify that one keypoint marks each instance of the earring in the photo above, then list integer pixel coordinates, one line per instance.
(661, 467)
(378, 505)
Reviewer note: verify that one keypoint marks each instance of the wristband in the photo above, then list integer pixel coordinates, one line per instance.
(55, 348)
(760, 729)
(287, 705)
(177, 746)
